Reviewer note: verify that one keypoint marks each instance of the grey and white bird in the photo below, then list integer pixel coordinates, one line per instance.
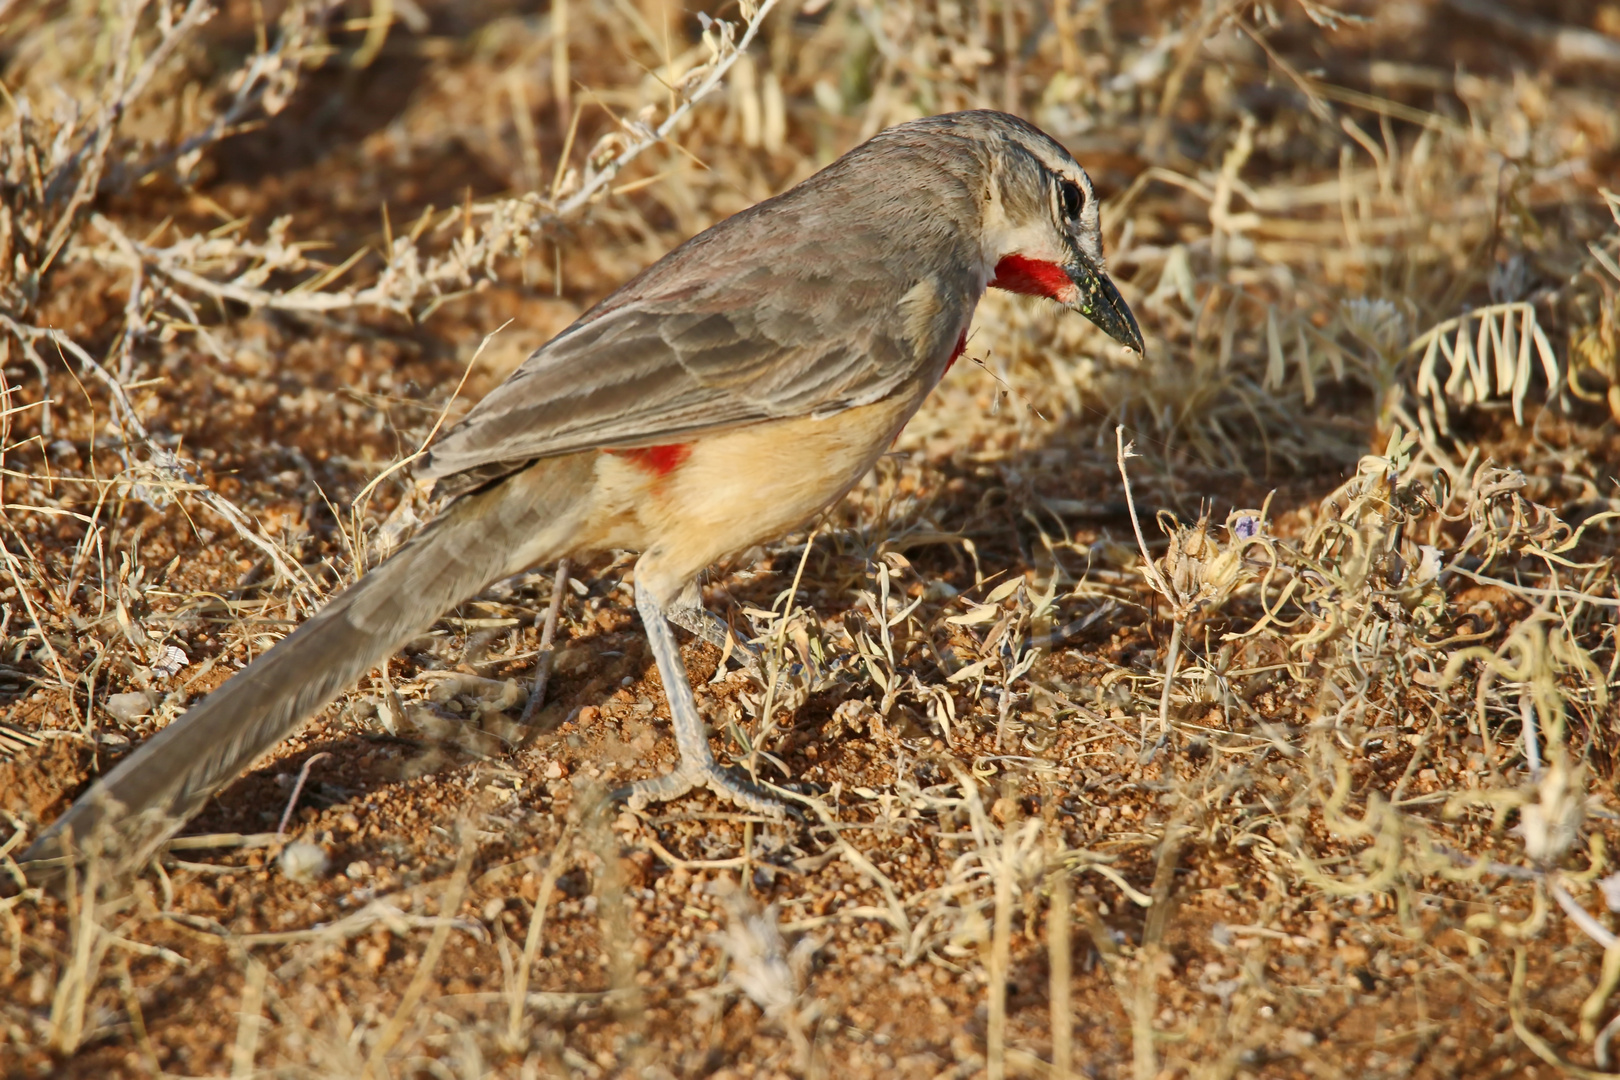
(724, 396)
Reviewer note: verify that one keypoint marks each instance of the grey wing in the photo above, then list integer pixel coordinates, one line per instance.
(778, 311)
(656, 371)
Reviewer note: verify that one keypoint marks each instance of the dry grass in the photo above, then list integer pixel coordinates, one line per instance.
(1247, 709)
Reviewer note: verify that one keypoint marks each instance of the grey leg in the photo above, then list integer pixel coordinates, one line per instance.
(697, 766)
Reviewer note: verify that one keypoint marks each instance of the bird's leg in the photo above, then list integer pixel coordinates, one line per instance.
(697, 766)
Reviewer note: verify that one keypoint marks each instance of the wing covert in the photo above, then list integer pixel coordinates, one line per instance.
(726, 330)
(639, 376)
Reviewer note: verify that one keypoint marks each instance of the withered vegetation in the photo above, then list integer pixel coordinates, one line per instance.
(1247, 709)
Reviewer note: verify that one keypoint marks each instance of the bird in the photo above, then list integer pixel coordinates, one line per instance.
(719, 399)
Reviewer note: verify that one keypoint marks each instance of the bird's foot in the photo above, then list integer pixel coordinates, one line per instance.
(723, 782)
(690, 615)
(708, 627)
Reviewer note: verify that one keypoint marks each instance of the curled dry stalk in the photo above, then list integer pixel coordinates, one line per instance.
(57, 162)
(163, 475)
(225, 265)
(1197, 572)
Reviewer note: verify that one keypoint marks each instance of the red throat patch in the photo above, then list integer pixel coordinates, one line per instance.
(1032, 277)
(658, 460)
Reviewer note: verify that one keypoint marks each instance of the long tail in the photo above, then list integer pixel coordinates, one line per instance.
(526, 519)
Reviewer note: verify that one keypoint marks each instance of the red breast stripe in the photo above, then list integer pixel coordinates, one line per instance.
(1032, 277)
(658, 460)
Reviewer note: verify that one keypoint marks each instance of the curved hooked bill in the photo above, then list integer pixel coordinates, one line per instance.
(1078, 285)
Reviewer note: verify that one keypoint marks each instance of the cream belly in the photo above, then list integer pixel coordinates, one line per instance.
(686, 507)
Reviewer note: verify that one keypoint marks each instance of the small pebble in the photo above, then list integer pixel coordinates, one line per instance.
(131, 706)
(303, 862)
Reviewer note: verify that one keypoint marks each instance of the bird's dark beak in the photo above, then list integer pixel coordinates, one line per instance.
(1098, 300)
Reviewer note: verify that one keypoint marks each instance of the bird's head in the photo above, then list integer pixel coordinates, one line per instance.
(1041, 227)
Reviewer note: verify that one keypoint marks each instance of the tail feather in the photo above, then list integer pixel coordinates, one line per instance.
(528, 518)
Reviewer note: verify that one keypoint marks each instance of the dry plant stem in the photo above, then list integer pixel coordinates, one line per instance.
(605, 175)
(1136, 997)
(1158, 131)
(1532, 738)
(778, 652)
(1173, 656)
(1600, 1047)
(1144, 1055)
(67, 1004)
(1150, 570)
(536, 934)
(137, 1020)
(893, 909)
(675, 862)
(255, 82)
(93, 154)
(1160, 585)
(375, 1064)
(360, 500)
(562, 86)
(1581, 917)
(1000, 953)
(163, 460)
(1539, 1046)
(613, 915)
(1167, 857)
(298, 789)
(15, 567)
(1060, 959)
(249, 1023)
(376, 25)
(543, 662)
(386, 294)
(1531, 592)
(367, 917)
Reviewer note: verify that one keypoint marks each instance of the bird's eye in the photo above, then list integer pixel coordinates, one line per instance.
(1074, 200)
